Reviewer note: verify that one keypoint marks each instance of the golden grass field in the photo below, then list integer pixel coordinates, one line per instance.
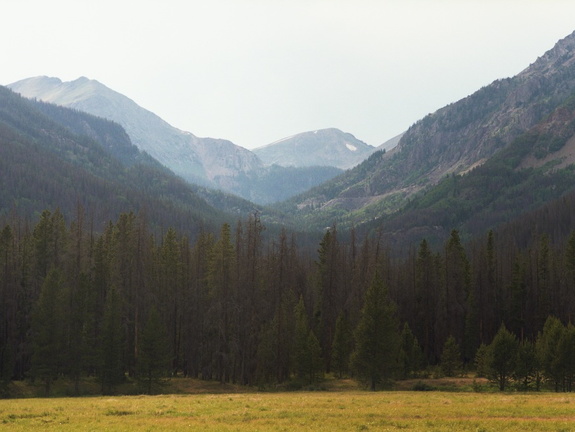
(349, 410)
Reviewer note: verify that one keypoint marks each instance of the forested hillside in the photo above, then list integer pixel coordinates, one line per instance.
(534, 169)
(209, 162)
(234, 307)
(56, 157)
(450, 141)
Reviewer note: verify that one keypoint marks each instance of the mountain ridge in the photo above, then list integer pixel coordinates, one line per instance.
(209, 162)
(450, 141)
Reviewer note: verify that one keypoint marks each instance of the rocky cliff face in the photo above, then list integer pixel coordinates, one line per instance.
(466, 133)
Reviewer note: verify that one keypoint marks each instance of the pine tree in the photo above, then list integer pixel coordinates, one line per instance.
(457, 291)
(305, 347)
(451, 358)
(315, 359)
(482, 361)
(570, 275)
(111, 369)
(223, 301)
(342, 345)
(171, 294)
(527, 366)
(376, 338)
(548, 353)
(566, 356)
(426, 299)
(266, 353)
(411, 356)
(47, 330)
(153, 362)
(329, 291)
(9, 288)
(503, 357)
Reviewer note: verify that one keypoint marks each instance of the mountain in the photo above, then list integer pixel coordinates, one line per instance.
(532, 171)
(53, 157)
(451, 141)
(210, 162)
(390, 143)
(328, 147)
(195, 159)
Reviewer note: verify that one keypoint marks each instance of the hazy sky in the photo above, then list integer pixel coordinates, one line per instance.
(255, 71)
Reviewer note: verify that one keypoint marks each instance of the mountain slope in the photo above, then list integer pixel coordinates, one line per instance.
(210, 162)
(452, 140)
(536, 168)
(325, 147)
(44, 164)
(182, 152)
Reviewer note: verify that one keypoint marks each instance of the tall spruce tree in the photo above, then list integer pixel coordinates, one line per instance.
(526, 367)
(376, 337)
(547, 346)
(411, 356)
(457, 289)
(223, 303)
(111, 368)
(153, 362)
(47, 330)
(451, 358)
(503, 357)
(9, 285)
(342, 345)
(306, 349)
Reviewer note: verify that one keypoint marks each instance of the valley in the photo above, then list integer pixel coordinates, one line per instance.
(131, 251)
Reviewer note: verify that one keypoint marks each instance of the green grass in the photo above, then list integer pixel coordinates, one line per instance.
(302, 411)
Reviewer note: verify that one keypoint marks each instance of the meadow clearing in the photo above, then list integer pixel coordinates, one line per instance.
(301, 411)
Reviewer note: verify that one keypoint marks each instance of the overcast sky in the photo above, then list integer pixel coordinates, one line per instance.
(255, 71)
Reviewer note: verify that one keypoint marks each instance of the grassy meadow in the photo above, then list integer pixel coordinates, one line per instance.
(349, 410)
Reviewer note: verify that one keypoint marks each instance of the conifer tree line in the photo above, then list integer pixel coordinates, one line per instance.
(233, 306)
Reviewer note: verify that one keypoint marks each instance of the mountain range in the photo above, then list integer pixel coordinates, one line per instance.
(502, 152)
(211, 162)
(56, 158)
(449, 143)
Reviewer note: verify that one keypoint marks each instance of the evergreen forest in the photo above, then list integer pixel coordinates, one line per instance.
(238, 306)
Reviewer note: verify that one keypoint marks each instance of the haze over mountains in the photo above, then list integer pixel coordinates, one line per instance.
(450, 142)
(207, 161)
(474, 164)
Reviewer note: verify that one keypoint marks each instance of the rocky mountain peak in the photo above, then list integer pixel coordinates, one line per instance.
(328, 147)
(560, 56)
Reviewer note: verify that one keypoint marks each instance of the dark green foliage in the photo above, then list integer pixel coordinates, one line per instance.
(47, 337)
(502, 357)
(410, 354)
(342, 346)
(51, 156)
(548, 351)
(527, 366)
(306, 347)
(376, 337)
(482, 360)
(227, 305)
(110, 367)
(566, 356)
(451, 358)
(153, 361)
